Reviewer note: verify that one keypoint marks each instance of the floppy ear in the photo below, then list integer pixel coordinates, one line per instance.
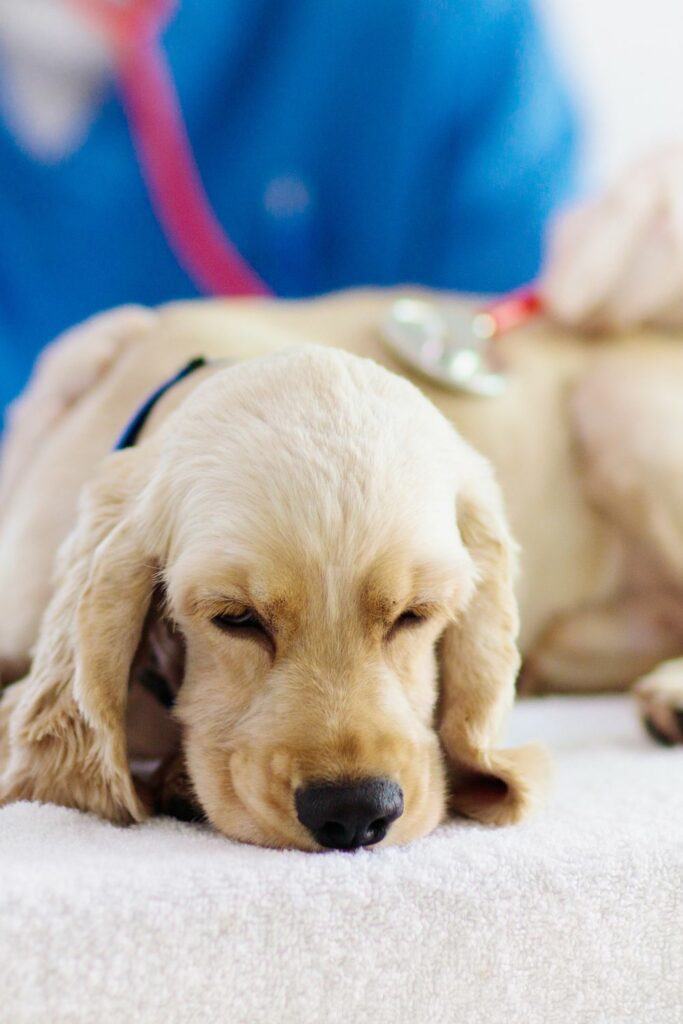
(479, 665)
(66, 731)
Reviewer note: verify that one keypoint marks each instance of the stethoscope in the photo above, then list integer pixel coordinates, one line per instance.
(457, 350)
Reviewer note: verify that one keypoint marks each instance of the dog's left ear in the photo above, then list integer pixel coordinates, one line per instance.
(479, 665)
(66, 741)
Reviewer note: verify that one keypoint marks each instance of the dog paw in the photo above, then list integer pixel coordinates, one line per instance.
(659, 696)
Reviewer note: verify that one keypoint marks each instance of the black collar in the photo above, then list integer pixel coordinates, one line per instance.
(132, 430)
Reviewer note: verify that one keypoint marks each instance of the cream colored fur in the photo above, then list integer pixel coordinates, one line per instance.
(331, 496)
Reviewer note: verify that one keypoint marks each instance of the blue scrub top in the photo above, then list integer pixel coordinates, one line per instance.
(341, 142)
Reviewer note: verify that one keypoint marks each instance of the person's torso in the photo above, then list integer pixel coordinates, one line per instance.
(315, 127)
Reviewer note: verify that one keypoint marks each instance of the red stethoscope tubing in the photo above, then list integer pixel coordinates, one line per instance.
(163, 149)
(514, 309)
(173, 182)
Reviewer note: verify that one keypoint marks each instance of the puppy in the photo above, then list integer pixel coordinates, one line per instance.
(310, 526)
(327, 564)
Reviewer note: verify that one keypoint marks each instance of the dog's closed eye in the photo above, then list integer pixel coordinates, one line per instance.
(244, 623)
(230, 620)
(408, 619)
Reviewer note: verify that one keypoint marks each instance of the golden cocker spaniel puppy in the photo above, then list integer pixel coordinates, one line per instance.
(291, 606)
(328, 567)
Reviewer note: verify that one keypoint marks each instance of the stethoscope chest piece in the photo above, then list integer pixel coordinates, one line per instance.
(445, 343)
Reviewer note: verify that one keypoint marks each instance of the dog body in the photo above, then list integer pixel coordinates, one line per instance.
(584, 443)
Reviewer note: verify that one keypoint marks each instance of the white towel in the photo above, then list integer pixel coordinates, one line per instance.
(576, 916)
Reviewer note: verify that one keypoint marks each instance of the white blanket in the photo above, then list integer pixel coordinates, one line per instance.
(576, 916)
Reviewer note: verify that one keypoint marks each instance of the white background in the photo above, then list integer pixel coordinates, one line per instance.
(625, 61)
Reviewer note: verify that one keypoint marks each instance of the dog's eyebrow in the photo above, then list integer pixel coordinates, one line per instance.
(208, 601)
(431, 601)
(433, 586)
(206, 598)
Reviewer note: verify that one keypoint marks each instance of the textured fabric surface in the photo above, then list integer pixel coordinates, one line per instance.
(575, 916)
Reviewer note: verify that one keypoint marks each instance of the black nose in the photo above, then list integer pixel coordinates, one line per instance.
(353, 814)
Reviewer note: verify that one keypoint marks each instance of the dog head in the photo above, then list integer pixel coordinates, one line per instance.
(337, 562)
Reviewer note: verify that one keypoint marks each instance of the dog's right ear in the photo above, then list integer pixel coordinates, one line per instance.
(66, 731)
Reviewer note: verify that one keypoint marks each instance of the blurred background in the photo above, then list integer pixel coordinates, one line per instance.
(624, 62)
(340, 143)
